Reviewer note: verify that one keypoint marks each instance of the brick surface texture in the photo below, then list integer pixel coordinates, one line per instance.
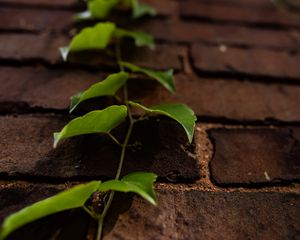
(236, 64)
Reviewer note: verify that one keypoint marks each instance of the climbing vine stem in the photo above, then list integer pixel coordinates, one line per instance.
(124, 147)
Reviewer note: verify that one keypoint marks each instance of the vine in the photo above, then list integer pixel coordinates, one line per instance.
(97, 37)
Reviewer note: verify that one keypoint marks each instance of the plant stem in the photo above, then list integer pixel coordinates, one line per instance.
(123, 151)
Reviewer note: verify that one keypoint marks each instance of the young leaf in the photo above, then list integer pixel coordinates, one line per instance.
(179, 112)
(101, 8)
(99, 121)
(140, 183)
(140, 38)
(72, 198)
(97, 37)
(97, 9)
(107, 87)
(139, 9)
(163, 77)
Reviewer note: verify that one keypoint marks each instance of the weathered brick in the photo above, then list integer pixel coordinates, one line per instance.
(44, 3)
(246, 61)
(207, 215)
(163, 57)
(27, 87)
(64, 225)
(45, 47)
(179, 31)
(165, 8)
(35, 20)
(239, 100)
(260, 155)
(237, 13)
(26, 150)
(188, 214)
(24, 47)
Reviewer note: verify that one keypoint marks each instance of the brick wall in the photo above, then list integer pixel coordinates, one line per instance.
(237, 65)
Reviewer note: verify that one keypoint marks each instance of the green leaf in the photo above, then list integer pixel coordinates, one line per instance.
(140, 38)
(163, 77)
(179, 112)
(107, 87)
(100, 35)
(140, 183)
(99, 121)
(97, 37)
(72, 198)
(101, 8)
(139, 9)
(97, 9)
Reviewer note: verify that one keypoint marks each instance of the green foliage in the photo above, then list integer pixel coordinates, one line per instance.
(99, 37)
(163, 77)
(100, 9)
(139, 9)
(139, 182)
(140, 38)
(69, 199)
(179, 112)
(99, 121)
(107, 87)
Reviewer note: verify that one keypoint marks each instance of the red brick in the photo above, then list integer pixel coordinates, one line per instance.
(35, 20)
(45, 47)
(166, 7)
(191, 214)
(259, 155)
(187, 214)
(26, 150)
(44, 3)
(41, 88)
(214, 10)
(240, 100)
(25, 88)
(248, 61)
(162, 57)
(24, 47)
(179, 31)
(64, 225)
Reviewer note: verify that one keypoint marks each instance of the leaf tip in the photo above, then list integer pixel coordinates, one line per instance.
(56, 137)
(64, 51)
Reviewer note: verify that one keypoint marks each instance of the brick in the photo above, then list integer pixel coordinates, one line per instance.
(217, 98)
(192, 214)
(35, 20)
(43, 3)
(236, 13)
(256, 4)
(45, 47)
(26, 150)
(262, 155)
(178, 31)
(164, 56)
(187, 214)
(246, 61)
(26, 47)
(64, 225)
(29, 87)
(38, 88)
(166, 7)
(55, 20)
